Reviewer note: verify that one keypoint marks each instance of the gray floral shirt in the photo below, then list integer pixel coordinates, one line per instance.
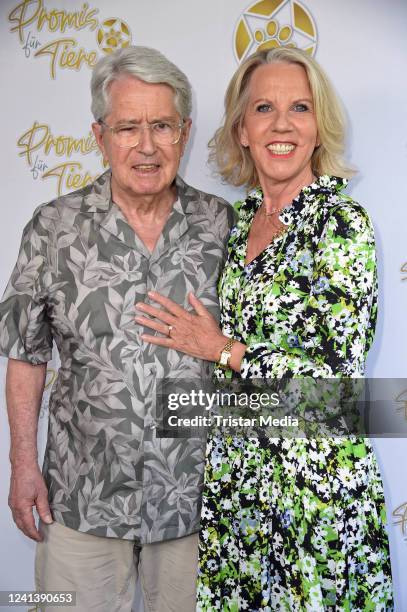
(80, 271)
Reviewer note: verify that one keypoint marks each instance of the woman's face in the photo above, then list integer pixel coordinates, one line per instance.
(279, 125)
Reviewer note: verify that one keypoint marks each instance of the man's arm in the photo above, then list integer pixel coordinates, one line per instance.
(24, 389)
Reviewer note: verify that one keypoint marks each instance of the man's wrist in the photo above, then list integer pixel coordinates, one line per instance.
(24, 460)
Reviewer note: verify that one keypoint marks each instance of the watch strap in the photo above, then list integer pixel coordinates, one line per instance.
(225, 355)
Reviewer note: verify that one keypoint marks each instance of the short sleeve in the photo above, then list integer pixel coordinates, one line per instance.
(25, 331)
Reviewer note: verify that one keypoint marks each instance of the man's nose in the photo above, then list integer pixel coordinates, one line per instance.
(146, 143)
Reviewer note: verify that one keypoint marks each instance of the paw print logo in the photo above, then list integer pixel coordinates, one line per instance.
(274, 23)
(273, 36)
(113, 34)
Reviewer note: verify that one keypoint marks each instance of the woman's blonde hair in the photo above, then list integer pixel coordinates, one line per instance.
(234, 162)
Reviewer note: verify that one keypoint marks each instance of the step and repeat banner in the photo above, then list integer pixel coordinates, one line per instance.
(48, 48)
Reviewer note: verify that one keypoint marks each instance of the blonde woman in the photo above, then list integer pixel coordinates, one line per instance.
(288, 524)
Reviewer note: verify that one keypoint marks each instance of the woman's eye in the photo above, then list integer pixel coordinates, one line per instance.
(300, 108)
(263, 108)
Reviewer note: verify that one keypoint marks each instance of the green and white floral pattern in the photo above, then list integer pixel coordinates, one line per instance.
(297, 524)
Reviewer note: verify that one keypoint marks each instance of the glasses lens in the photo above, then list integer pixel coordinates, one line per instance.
(163, 132)
(127, 135)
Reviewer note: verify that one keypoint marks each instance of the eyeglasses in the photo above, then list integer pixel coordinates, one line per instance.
(129, 135)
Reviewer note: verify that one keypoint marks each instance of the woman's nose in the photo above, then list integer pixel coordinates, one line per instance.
(281, 121)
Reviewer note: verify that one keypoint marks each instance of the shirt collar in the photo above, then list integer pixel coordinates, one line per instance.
(98, 199)
(98, 195)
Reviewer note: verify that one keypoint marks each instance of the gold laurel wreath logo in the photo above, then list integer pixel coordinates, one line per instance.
(401, 399)
(274, 23)
(400, 514)
(113, 34)
(50, 379)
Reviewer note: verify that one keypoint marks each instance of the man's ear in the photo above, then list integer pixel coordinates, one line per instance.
(186, 129)
(97, 130)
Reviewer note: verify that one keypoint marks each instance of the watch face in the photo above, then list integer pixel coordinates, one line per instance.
(224, 356)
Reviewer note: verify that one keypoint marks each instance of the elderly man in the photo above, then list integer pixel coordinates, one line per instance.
(114, 499)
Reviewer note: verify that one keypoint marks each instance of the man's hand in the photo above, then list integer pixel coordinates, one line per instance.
(28, 489)
(24, 387)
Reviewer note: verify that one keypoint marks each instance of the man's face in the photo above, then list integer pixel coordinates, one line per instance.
(147, 169)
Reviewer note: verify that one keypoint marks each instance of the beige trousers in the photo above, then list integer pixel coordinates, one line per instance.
(104, 571)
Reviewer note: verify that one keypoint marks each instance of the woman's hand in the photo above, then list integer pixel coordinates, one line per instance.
(194, 334)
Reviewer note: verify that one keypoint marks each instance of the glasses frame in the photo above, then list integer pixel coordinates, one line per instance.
(148, 126)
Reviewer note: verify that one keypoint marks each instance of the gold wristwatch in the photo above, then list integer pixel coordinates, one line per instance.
(226, 354)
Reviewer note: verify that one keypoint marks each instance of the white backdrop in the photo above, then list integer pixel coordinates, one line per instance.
(47, 47)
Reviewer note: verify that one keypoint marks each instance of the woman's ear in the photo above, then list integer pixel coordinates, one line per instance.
(244, 141)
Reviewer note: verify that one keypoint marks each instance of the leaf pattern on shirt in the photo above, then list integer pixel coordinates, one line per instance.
(80, 271)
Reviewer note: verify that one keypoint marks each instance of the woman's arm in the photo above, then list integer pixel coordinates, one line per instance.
(337, 325)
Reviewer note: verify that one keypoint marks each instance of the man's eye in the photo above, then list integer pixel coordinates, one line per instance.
(263, 108)
(127, 129)
(162, 126)
(300, 108)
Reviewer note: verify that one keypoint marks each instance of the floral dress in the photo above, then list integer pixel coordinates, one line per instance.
(297, 524)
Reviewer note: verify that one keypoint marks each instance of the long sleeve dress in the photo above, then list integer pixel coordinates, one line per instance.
(297, 524)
